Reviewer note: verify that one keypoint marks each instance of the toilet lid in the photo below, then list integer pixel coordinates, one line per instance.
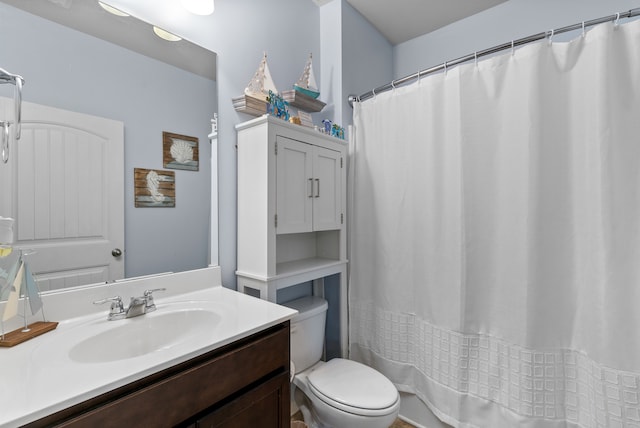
(345, 383)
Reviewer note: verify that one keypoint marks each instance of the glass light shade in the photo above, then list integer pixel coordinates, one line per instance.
(198, 7)
(163, 34)
(112, 9)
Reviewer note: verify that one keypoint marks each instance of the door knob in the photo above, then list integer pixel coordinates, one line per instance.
(116, 252)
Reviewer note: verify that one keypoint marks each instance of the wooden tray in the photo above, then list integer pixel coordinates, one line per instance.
(18, 336)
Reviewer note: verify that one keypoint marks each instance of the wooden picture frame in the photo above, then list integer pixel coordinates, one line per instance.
(154, 188)
(180, 151)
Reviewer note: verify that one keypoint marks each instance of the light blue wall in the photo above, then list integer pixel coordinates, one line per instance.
(70, 70)
(342, 42)
(356, 58)
(508, 21)
(367, 58)
(331, 66)
(288, 30)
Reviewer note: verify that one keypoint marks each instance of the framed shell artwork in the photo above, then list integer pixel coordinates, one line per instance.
(179, 151)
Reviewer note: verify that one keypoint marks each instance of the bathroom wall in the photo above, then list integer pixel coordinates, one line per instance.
(366, 58)
(287, 30)
(356, 58)
(349, 56)
(508, 21)
(68, 69)
(341, 40)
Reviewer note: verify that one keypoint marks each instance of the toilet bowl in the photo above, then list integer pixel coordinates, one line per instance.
(339, 393)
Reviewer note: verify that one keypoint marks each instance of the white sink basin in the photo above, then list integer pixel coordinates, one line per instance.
(143, 335)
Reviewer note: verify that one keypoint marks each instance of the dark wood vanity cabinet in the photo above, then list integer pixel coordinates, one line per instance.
(244, 384)
(260, 407)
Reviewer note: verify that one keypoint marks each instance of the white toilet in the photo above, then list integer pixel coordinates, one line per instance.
(339, 393)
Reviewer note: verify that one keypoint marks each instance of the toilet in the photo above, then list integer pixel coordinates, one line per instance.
(338, 393)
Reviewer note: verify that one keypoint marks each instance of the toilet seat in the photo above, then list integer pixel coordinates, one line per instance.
(354, 388)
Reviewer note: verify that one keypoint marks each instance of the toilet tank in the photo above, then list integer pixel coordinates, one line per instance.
(307, 331)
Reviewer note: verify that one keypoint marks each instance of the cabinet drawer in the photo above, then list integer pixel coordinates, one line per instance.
(182, 395)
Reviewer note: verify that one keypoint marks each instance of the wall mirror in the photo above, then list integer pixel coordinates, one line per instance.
(76, 57)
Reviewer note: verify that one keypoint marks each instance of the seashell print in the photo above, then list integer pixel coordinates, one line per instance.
(181, 151)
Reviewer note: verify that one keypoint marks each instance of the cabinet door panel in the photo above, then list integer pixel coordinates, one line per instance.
(293, 186)
(327, 206)
(266, 406)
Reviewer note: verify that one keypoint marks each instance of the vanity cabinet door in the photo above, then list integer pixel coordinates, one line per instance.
(261, 407)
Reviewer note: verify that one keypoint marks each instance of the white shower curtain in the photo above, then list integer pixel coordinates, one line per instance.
(495, 246)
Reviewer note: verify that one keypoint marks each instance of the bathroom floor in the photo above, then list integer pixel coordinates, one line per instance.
(397, 424)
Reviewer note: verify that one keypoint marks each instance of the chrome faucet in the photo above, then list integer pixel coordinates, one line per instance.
(117, 308)
(137, 306)
(150, 306)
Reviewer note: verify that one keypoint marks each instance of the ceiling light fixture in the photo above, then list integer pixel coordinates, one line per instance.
(198, 7)
(164, 34)
(112, 9)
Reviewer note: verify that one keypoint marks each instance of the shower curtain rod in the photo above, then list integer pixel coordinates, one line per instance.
(479, 54)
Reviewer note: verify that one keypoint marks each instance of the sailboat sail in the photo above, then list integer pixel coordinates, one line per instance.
(261, 83)
(11, 307)
(31, 290)
(307, 82)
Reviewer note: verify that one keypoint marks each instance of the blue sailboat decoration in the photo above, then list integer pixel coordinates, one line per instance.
(306, 84)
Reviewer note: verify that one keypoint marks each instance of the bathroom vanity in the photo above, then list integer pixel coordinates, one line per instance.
(207, 357)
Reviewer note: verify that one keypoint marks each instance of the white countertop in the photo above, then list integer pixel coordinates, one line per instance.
(39, 378)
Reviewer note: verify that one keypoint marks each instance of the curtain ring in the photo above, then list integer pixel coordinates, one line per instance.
(583, 31)
(551, 36)
(475, 58)
(513, 50)
(445, 67)
(393, 84)
(616, 23)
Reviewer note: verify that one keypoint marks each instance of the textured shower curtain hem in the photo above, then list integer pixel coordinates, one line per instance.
(447, 403)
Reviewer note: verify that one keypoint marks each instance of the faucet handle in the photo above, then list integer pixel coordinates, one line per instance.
(148, 294)
(117, 307)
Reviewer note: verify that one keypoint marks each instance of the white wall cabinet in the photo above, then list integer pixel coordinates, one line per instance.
(309, 187)
(291, 209)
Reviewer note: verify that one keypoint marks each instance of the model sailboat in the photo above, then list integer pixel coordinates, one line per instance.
(306, 84)
(18, 279)
(261, 83)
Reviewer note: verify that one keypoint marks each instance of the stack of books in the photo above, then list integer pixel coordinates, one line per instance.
(305, 119)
